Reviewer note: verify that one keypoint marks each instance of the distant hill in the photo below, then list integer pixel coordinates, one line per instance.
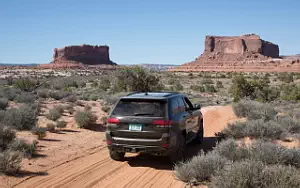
(17, 64)
(158, 67)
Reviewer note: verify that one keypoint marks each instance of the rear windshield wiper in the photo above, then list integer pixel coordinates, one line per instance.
(143, 114)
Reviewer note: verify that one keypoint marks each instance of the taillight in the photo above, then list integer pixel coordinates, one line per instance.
(113, 121)
(162, 123)
(108, 142)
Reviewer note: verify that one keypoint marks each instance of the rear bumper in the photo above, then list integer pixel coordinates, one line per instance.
(163, 146)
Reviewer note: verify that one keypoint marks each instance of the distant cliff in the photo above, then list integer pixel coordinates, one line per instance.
(85, 54)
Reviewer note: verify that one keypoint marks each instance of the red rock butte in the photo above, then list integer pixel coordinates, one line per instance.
(246, 53)
(78, 56)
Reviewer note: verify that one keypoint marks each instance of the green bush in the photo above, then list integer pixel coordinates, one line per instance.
(27, 149)
(3, 103)
(105, 84)
(57, 95)
(254, 129)
(22, 118)
(43, 94)
(51, 127)
(61, 124)
(210, 88)
(6, 136)
(10, 161)
(85, 119)
(55, 113)
(254, 110)
(105, 109)
(27, 84)
(25, 98)
(286, 77)
(137, 79)
(200, 168)
(71, 98)
(256, 174)
(39, 131)
(219, 84)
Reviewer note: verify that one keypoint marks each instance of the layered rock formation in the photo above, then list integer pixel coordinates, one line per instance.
(240, 53)
(77, 56)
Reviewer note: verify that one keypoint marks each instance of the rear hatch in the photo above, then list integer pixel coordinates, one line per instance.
(139, 118)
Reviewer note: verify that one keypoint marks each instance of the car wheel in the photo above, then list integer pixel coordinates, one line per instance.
(117, 156)
(200, 133)
(179, 153)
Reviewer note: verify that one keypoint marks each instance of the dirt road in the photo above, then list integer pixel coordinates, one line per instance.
(96, 169)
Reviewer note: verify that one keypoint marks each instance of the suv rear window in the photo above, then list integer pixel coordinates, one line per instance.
(137, 107)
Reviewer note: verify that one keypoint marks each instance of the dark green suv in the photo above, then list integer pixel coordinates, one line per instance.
(155, 123)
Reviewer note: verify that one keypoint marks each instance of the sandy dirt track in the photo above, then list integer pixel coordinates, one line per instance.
(93, 168)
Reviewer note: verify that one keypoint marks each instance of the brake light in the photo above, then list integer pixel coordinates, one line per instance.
(113, 121)
(162, 123)
(165, 145)
(108, 142)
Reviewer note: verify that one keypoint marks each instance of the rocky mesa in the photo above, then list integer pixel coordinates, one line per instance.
(246, 53)
(80, 55)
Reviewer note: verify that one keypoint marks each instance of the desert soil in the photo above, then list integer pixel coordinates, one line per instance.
(79, 158)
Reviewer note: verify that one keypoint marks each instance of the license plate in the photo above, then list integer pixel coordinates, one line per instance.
(135, 127)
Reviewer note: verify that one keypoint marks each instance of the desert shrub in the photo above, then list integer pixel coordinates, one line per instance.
(231, 150)
(105, 109)
(286, 77)
(289, 124)
(137, 79)
(79, 103)
(55, 113)
(43, 94)
(39, 131)
(256, 174)
(6, 136)
(57, 95)
(94, 84)
(20, 145)
(290, 92)
(105, 84)
(271, 153)
(87, 107)
(9, 93)
(25, 97)
(85, 119)
(22, 118)
(3, 103)
(241, 87)
(93, 97)
(254, 110)
(254, 129)
(61, 124)
(50, 127)
(219, 84)
(206, 81)
(27, 84)
(71, 98)
(210, 88)
(178, 86)
(197, 88)
(200, 168)
(10, 161)
(171, 81)
(10, 80)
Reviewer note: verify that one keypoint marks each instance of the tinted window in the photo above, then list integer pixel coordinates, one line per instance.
(149, 108)
(181, 104)
(174, 106)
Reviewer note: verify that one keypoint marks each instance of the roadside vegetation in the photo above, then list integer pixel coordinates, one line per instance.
(267, 102)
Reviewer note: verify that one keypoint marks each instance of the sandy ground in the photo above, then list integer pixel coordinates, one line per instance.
(79, 158)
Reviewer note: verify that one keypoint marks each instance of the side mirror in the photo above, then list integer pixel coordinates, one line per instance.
(197, 107)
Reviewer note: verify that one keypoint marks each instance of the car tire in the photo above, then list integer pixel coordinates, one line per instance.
(179, 153)
(116, 155)
(200, 134)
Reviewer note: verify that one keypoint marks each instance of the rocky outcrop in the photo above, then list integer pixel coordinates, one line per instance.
(240, 53)
(84, 54)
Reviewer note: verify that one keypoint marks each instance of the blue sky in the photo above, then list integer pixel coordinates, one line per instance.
(140, 31)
